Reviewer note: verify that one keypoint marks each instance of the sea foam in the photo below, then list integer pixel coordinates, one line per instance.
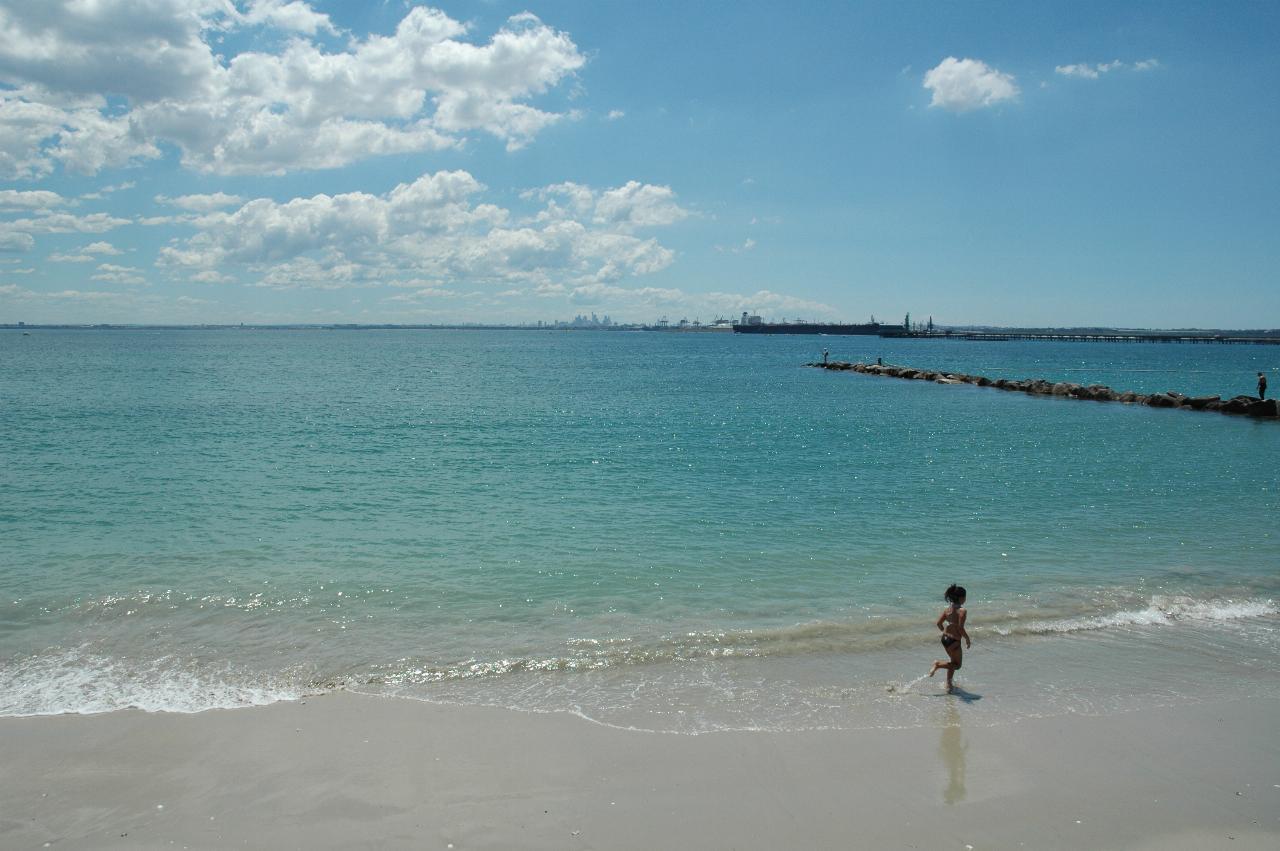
(1161, 611)
(86, 683)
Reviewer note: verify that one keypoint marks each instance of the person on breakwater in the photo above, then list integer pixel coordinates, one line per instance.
(1262, 386)
(825, 353)
(951, 625)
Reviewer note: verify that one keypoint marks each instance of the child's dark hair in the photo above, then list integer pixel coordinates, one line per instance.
(954, 594)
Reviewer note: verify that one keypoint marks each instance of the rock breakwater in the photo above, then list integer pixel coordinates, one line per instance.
(1250, 406)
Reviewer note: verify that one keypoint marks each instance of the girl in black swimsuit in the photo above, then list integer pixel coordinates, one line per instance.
(951, 624)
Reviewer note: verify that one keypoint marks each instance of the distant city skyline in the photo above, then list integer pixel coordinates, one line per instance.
(280, 161)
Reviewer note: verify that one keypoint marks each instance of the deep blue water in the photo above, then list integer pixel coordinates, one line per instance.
(677, 531)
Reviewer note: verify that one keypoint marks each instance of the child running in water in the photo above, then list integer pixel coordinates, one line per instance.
(951, 623)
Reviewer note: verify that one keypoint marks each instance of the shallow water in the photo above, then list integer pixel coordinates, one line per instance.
(669, 531)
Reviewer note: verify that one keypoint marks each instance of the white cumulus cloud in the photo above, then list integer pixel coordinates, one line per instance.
(434, 229)
(962, 85)
(88, 254)
(1085, 71)
(20, 234)
(14, 241)
(111, 273)
(287, 15)
(65, 223)
(68, 66)
(15, 199)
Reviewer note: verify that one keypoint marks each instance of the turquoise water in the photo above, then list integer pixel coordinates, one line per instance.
(669, 531)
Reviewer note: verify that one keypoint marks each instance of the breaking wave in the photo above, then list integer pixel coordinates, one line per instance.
(85, 683)
(85, 680)
(1162, 611)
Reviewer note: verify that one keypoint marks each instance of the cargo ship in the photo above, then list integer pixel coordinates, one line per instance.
(754, 325)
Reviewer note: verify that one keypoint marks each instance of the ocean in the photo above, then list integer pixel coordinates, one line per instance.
(662, 531)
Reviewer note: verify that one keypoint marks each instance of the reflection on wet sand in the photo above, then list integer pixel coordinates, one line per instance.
(953, 747)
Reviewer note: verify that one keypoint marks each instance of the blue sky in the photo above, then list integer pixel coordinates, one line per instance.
(284, 161)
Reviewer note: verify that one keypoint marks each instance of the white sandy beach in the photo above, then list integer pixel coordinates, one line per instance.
(346, 771)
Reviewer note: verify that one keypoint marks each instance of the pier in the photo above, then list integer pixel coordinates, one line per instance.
(1001, 336)
(1250, 406)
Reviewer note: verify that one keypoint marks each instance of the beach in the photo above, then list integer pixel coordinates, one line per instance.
(292, 590)
(410, 434)
(350, 771)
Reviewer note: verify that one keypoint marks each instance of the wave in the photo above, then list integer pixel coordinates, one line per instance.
(85, 683)
(806, 639)
(1161, 611)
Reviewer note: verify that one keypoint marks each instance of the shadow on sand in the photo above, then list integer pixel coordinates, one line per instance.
(960, 694)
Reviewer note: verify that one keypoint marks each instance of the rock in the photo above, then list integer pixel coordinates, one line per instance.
(1199, 403)
(1098, 393)
(1262, 408)
(1246, 405)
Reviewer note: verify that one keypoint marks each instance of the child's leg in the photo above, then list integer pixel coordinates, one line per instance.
(957, 657)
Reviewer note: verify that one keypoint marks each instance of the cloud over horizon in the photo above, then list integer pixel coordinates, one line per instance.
(433, 228)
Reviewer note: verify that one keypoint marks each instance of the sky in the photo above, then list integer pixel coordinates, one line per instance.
(284, 161)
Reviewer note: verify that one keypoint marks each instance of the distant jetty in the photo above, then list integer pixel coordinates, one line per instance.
(1250, 406)
(1086, 337)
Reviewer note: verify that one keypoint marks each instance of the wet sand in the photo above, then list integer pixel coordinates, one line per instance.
(346, 771)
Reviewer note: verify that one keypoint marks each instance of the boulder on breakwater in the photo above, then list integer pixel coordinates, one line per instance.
(1250, 406)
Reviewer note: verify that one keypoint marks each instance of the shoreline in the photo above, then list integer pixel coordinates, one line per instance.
(346, 770)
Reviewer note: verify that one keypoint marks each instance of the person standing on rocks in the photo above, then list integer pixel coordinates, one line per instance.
(1262, 386)
(825, 353)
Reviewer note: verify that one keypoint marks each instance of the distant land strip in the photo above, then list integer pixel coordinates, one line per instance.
(972, 333)
(1250, 406)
